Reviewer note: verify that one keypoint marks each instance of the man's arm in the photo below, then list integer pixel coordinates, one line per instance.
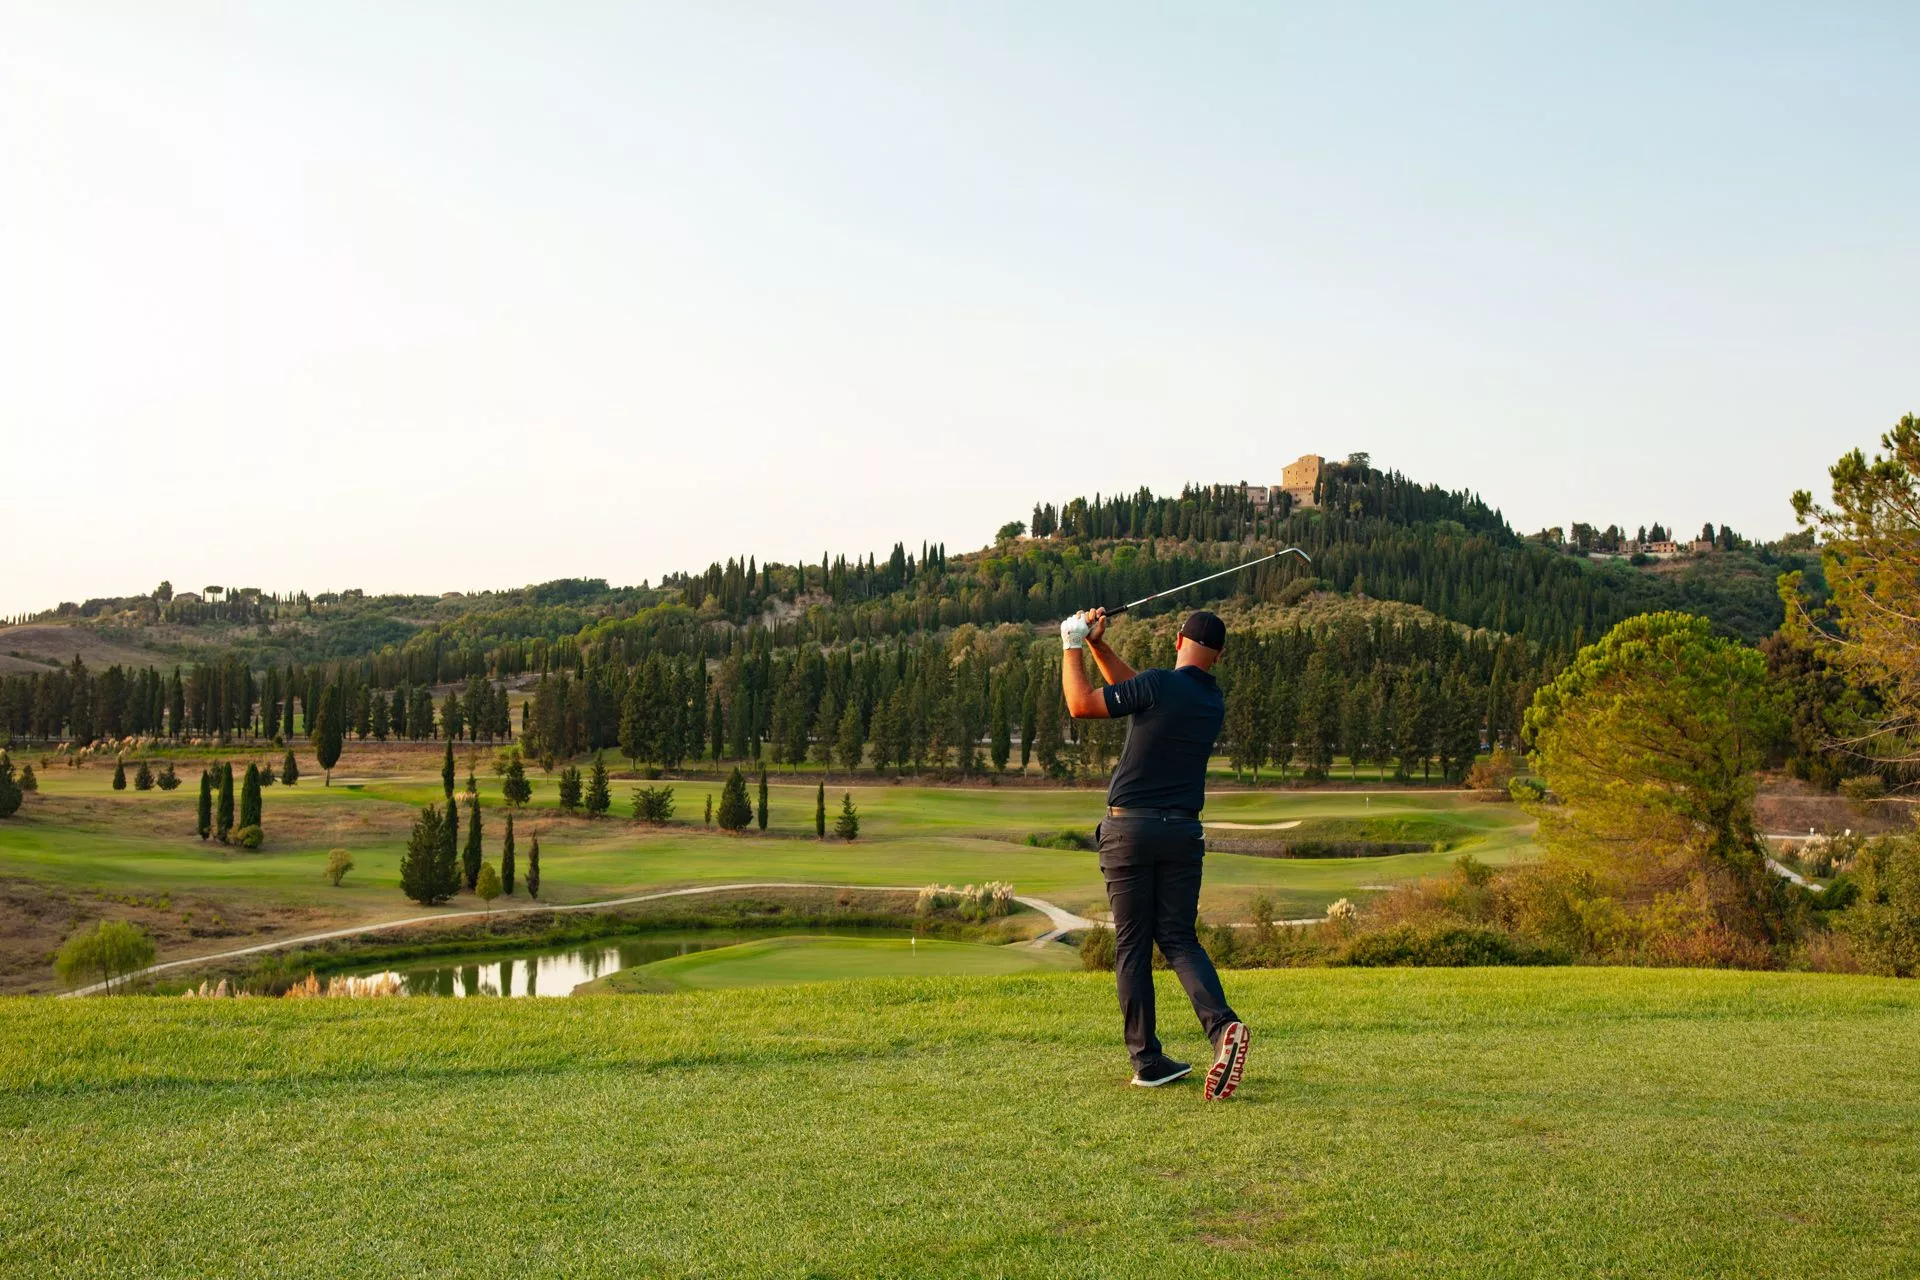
(1084, 702)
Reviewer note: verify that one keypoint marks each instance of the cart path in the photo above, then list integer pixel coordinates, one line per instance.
(1062, 920)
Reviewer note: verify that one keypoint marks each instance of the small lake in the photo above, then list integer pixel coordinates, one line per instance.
(556, 971)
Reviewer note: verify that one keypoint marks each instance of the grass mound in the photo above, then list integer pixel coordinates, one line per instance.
(1431, 1122)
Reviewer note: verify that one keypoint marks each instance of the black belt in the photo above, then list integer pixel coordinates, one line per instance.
(1165, 815)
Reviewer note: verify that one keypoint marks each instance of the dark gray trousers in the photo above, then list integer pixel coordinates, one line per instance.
(1152, 869)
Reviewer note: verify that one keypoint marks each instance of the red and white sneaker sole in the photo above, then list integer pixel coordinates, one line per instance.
(1229, 1065)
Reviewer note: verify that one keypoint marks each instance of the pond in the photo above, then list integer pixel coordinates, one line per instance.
(556, 971)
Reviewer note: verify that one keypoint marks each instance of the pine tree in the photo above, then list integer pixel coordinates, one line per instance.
(506, 857)
(446, 770)
(250, 797)
(289, 769)
(515, 787)
(420, 864)
(143, 779)
(847, 825)
(533, 867)
(735, 810)
(852, 737)
(223, 809)
(205, 811)
(472, 858)
(762, 815)
(569, 788)
(119, 775)
(599, 793)
(820, 812)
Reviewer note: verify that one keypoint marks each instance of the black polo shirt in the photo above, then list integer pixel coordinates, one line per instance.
(1176, 717)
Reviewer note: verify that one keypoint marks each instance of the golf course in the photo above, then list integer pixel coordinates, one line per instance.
(1460, 1123)
(136, 852)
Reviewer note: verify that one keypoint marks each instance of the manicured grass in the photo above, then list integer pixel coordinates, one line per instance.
(1399, 1122)
(774, 962)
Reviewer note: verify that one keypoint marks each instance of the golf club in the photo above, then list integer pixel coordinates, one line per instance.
(1075, 628)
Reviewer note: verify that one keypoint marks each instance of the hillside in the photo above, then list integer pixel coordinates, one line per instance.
(1435, 1122)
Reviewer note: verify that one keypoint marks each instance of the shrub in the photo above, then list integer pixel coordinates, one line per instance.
(249, 837)
(1097, 948)
(1884, 921)
(11, 792)
(1863, 788)
(1444, 946)
(167, 779)
(119, 775)
(1494, 774)
(339, 862)
(847, 825)
(1079, 840)
(735, 811)
(30, 781)
(653, 804)
(1527, 790)
(1342, 912)
(143, 778)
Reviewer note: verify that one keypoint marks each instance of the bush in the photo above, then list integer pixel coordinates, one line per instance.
(1061, 840)
(847, 825)
(29, 781)
(1097, 948)
(1884, 921)
(339, 862)
(168, 779)
(249, 837)
(1495, 773)
(1527, 790)
(1863, 788)
(653, 804)
(1444, 946)
(143, 778)
(736, 811)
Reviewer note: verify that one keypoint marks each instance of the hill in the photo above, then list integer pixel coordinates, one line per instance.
(1431, 1122)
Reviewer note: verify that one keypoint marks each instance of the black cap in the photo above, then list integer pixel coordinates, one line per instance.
(1205, 628)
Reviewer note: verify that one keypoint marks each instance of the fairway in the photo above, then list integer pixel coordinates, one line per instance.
(79, 836)
(1461, 1123)
(786, 961)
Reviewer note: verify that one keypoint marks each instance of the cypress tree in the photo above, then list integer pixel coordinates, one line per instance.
(506, 857)
(205, 809)
(763, 799)
(289, 769)
(446, 860)
(250, 797)
(223, 810)
(11, 792)
(446, 770)
(735, 810)
(473, 857)
(820, 811)
(533, 867)
(119, 775)
(330, 733)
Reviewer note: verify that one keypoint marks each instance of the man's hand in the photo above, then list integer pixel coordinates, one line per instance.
(1096, 624)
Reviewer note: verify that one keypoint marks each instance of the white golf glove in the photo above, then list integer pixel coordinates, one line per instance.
(1073, 632)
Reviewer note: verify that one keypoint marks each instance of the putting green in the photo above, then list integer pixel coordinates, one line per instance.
(776, 962)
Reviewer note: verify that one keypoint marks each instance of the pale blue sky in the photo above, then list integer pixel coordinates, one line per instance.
(427, 297)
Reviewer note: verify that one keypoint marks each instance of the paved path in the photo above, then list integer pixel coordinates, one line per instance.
(1061, 919)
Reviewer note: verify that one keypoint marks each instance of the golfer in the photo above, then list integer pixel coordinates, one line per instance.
(1151, 843)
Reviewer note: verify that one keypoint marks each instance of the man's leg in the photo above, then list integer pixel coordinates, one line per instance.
(1130, 876)
(1177, 904)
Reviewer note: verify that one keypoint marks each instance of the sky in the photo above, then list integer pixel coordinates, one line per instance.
(430, 297)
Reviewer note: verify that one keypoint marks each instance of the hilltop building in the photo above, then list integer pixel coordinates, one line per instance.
(1301, 477)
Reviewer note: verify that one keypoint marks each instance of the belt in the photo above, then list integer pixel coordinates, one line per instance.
(1165, 815)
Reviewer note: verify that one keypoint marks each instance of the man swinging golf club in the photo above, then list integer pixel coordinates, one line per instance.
(1151, 843)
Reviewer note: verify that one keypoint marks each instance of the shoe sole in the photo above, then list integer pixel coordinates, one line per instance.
(1231, 1063)
(1155, 1084)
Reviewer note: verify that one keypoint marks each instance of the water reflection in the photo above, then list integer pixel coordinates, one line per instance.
(559, 971)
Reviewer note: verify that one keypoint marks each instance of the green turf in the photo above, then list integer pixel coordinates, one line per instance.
(144, 843)
(786, 961)
(1462, 1123)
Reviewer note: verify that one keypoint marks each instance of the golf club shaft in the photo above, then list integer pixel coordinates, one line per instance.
(1115, 612)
